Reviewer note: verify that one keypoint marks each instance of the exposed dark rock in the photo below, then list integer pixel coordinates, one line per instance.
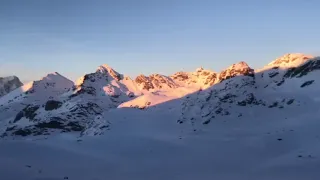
(273, 74)
(18, 116)
(181, 76)
(281, 82)
(42, 128)
(275, 104)
(144, 80)
(22, 132)
(251, 99)
(51, 105)
(155, 81)
(290, 101)
(206, 122)
(234, 70)
(307, 83)
(228, 98)
(58, 123)
(309, 66)
(85, 90)
(86, 109)
(29, 112)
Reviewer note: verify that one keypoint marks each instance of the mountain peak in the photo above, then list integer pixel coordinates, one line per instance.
(240, 68)
(54, 76)
(105, 66)
(240, 65)
(106, 69)
(290, 60)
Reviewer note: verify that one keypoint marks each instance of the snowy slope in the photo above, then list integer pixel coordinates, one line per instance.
(184, 83)
(55, 103)
(19, 107)
(151, 145)
(239, 124)
(8, 84)
(149, 99)
(106, 84)
(268, 90)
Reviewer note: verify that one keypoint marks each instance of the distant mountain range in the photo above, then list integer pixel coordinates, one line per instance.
(55, 104)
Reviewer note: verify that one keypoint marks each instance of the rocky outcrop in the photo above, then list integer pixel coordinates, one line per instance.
(8, 84)
(52, 105)
(109, 72)
(239, 69)
(304, 69)
(155, 82)
(201, 78)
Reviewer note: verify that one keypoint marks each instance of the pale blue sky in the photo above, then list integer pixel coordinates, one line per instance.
(73, 37)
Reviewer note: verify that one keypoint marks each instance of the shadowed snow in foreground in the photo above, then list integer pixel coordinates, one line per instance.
(146, 147)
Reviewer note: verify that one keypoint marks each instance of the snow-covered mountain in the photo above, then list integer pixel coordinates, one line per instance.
(8, 84)
(56, 104)
(190, 125)
(272, 87)
(24, 105)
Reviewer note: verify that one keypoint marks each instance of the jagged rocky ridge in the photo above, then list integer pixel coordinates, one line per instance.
(155, 82)
(272, 87)
(54, 104)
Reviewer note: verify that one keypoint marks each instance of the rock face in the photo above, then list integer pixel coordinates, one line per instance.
(108, 71)
(205, 78)
(29, 105)
(55, 104)
(8, 84)
(239, 69)
(303, 70)
(155, 82)
(241, 89)
(106, 84)
(201, 78)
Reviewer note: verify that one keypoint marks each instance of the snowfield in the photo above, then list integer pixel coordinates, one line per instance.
(147, 145)
(239, 124)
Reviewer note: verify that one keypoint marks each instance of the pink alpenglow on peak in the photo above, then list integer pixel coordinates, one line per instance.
(240, 65)
(290, 60)
(241, 68)
(106, 69)
(55, 76)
